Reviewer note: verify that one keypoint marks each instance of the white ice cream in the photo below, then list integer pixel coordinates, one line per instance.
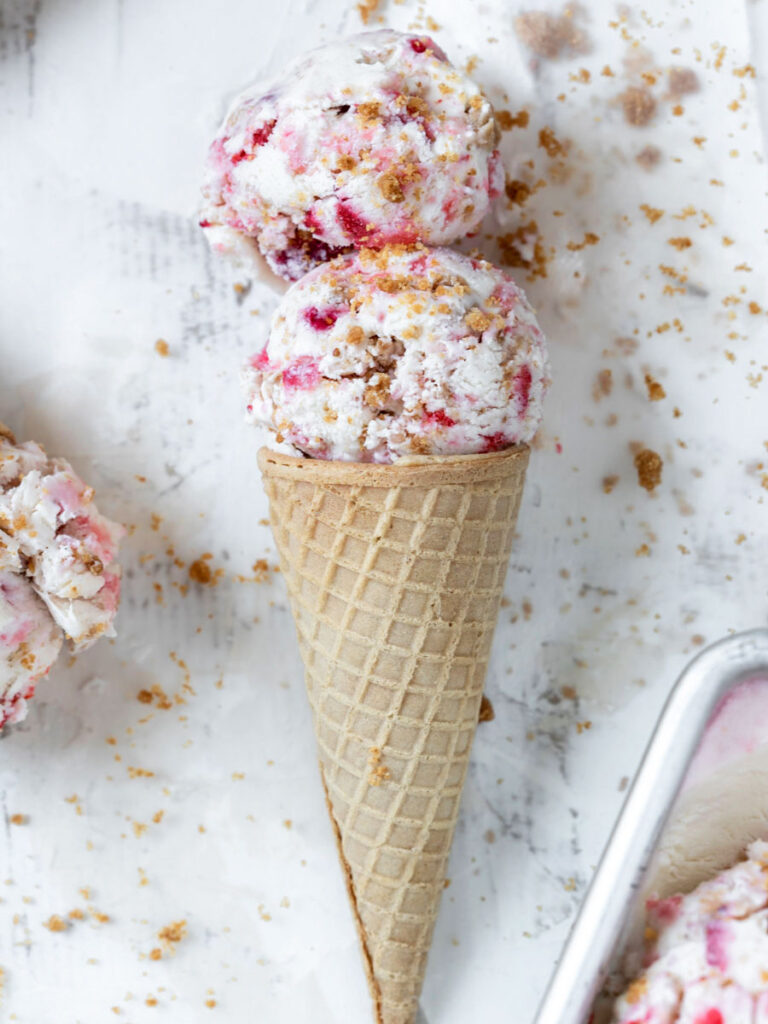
(369, 140)
(404, 351)
(58, 575)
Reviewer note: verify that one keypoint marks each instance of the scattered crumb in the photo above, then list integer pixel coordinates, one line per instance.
(639, 105)
(655, 391)
(200, 571)
(55, 923)
(161, 347)
(366, 8)
(486, 714)
(156, 953)
(549, 142)
(648, 465)
(18, 819)
(648, 157)
(651, 212)
(507, 120)
(680, 243)
(550, 35)
(172, 934)
(609, 482)
(379, 772)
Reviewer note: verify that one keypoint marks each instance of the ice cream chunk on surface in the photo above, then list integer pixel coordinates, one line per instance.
(58, 574)
(399, 352)
(368, 140)
(706, 953)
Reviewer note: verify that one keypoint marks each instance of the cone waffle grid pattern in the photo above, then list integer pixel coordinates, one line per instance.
(395, 585)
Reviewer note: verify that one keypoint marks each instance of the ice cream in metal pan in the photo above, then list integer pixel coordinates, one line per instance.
(696, 806)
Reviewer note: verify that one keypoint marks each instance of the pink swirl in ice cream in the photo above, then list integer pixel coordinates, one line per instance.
(706, 953)
(58, 576)
(370, 140)
(399, 352)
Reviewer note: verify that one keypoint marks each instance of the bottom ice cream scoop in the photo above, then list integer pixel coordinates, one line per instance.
(58, 576)
(400, 352)
(706, 954)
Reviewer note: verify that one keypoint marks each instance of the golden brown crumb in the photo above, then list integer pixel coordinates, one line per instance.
(390, 188)
(639, 105)
(355, 335)
(200, 571)
(379, 772)
(144, 696)
(755, 308)
(609, 482)
(76, 914)
(486, 713)
(655, 391)
(648, 465)
(680, 243)
(568, 692)
(156, 954)
(369, 112)
(366, 8)
(345, 162)
(150, 1001)
(636, 991)
(55, 924)
(477, 320)
(172, 933)
(210, 1003)
(651, 212)
(549, 142)
(590, 238)
(603, 384)
(18, 819)
(161, 347)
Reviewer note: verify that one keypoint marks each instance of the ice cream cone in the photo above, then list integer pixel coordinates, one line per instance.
(394, 574)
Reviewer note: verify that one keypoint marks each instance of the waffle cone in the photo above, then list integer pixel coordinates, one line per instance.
(394, 575)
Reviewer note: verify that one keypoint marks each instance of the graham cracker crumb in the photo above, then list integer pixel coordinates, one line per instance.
(549, 142)
(477, 320)
(55, 923)
(548, 35)
(390, 188)
(172, 933)
(366, 8)
(655, 391)
(506, 120)
(18, 819)
(486, 714)
(648, 157)
(379, 772)
(651, 213)
(161, 347)
(156, 953)
(648, 465)
(200, 571)
(639, 106)
(680, 243)
(609, 482)
(603, 385)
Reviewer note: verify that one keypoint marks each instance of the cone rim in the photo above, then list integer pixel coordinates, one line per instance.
(413, 471)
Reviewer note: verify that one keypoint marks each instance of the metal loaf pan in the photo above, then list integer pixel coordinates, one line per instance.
(629, 866)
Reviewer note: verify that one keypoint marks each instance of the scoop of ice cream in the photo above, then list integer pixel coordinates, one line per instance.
(401, 351)
(30, 642)
(707, 952)
(58, 575)
(373, 139)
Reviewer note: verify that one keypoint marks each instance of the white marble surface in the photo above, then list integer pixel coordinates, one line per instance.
(105, 113)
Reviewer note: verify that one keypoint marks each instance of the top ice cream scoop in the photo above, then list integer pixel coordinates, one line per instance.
(58, 576)
(369, 140)
(706, 953)
(399, 352)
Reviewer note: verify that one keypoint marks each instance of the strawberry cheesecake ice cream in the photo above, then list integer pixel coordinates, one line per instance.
(399, 352)
(370, 140)
(706, 953)
(58, 577)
